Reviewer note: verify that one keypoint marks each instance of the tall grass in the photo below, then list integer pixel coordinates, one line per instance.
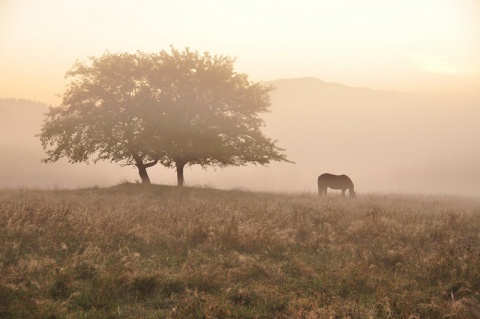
(136, 251)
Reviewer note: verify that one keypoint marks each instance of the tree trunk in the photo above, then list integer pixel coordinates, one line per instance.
(142, 167)
(180, 179)
(142, 171)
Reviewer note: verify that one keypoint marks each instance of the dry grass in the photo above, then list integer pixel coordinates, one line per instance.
(162, 252)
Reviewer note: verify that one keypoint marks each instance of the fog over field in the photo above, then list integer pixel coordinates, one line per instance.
(385, 141)
(386, 92)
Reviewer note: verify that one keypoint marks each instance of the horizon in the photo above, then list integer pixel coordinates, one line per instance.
(421, 94)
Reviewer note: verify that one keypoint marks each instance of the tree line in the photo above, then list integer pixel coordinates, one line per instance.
(173, 108)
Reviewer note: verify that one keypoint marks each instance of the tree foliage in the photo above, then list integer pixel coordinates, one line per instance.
(212, 112)
(108, 113)
(178, 107)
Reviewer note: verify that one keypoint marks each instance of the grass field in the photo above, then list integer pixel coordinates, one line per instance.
(136, 251)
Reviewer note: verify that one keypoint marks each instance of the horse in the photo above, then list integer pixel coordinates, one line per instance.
(342, 182)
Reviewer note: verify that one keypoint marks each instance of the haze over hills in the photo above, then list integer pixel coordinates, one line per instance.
(385, 141)
(21, 153)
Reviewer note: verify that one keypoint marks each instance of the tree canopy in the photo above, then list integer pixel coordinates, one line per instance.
(177, 108)
(108, 113)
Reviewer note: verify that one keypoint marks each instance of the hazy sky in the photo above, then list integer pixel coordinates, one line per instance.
(407, 45)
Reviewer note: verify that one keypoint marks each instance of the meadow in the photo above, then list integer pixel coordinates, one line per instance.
(151, 251)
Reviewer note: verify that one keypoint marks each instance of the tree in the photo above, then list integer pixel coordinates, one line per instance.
(108, 113)
(211, 112)
(176, 108)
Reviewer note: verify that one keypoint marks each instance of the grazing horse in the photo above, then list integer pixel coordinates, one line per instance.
(342, 182)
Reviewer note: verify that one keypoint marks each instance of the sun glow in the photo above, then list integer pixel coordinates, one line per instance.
(447, 64)
(380, 44)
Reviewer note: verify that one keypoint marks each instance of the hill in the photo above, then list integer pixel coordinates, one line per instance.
(140, 251)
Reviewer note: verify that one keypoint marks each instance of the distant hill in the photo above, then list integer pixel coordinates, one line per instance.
(18, 116)
(21, 153)
(341, 127)
(386, 141)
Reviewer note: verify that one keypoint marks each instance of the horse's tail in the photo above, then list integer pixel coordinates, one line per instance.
(351, 189)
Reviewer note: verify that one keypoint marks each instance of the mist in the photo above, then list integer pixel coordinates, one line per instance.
(384, 141)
